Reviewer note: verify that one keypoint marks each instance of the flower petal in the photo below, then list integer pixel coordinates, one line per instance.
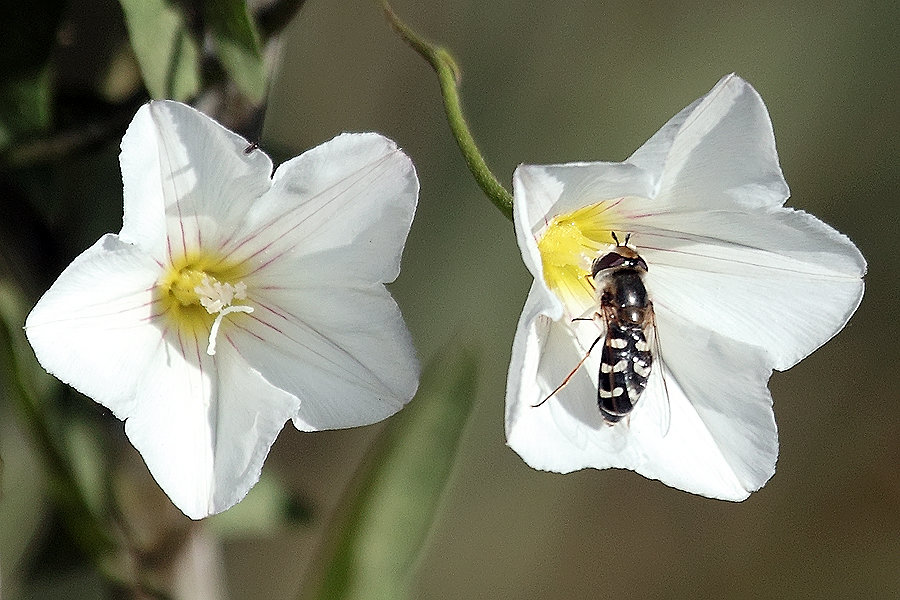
(725, 384)
(204, 425)
(782, 280)
(720, 441)
(544, 191)
(187, 180)
(353, 197)
(718, 153)
(92, 329)
(344, 351)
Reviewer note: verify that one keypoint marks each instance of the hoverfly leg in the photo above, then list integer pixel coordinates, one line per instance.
(575, 370)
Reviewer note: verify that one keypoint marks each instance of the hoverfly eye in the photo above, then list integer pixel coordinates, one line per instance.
(607, 261)
(641, 264)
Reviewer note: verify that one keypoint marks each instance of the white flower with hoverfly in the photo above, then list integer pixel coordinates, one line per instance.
(235, 299)
(666, 290)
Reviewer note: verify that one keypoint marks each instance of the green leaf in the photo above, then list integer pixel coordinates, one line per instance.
(373, 544)
(166, 51)
(238, 45)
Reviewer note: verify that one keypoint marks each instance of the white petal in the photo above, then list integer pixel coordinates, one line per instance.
(345, 352)
(535, 193)
(781, 280)
(93, 329)
(725, 383)
(187, 179)
(723, 446)
(205, 424)
(352, 197)
(543, 354)
(718, 153)
(544, 191)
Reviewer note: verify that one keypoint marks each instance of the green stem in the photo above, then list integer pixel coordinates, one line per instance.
(449, 75)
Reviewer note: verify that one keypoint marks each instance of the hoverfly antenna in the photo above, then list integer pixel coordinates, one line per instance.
(616, 238)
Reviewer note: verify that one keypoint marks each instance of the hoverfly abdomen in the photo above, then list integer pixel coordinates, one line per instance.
(624, 367)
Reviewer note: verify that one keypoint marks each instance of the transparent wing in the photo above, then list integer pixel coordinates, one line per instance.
(653, 409)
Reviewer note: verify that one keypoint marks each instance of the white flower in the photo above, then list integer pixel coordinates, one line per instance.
(739, 286)
(234, 299)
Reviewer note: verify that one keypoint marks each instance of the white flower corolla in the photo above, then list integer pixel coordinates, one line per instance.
(739, 286)
(234, 299)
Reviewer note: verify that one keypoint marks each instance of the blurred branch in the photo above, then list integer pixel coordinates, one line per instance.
(91, 133)
(449, 77)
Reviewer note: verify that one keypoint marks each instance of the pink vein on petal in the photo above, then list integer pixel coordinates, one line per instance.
(314, 332)
(709, 240)
(348, 182)
(106, 315)
(169, 177)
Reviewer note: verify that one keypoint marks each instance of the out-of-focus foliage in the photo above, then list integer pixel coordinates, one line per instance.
(238, 45)
(167, 40)
(167, 52)
(376, 538)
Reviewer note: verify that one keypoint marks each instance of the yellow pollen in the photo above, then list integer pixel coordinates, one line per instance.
(184, 284)
(568, 246)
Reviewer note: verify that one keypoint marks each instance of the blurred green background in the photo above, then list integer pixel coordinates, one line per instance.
(554, 82)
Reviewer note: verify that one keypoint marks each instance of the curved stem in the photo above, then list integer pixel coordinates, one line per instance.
(448, 76)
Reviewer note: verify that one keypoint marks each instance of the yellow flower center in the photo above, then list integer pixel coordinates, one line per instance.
(568, 247)
(199, 292)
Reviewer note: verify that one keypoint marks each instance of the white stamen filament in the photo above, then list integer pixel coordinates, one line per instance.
(216, 297)
(214, 330)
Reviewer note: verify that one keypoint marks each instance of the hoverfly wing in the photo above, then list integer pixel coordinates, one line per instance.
(658, 406)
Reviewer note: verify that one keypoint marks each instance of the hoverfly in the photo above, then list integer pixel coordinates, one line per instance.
(628, 329)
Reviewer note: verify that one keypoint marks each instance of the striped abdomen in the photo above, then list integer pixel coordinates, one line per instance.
(624, 367)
